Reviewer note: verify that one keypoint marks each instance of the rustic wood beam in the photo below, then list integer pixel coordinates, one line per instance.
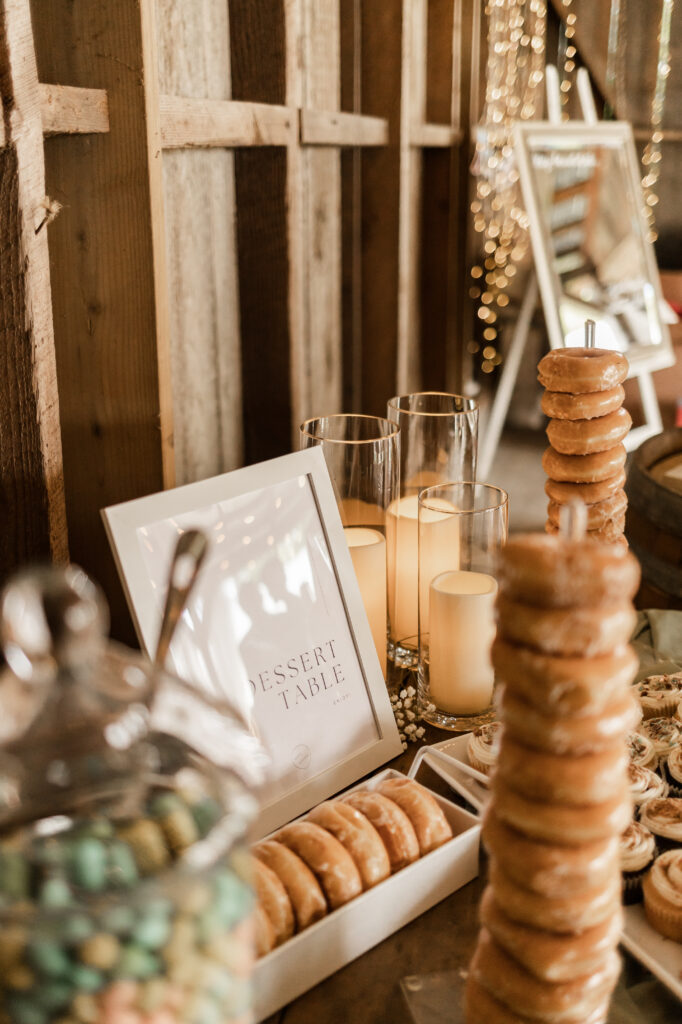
(67, 110)
(335, 128)
(199, 123)
(31, 468)
(434, 136)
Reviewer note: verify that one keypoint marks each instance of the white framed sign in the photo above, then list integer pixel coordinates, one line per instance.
(582, 193)
(275, 620)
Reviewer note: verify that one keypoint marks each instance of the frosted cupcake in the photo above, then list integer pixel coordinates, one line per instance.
(663, 817)
(662, 889)
(664, 733)
(645, 784)
(638, 851)
(672, 772)
(483, 747)
(641, 750)
(659, 695)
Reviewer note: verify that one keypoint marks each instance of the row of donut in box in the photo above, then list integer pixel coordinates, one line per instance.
(342, 848)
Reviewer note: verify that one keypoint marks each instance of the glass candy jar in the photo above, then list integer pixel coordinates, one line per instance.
(125, 895)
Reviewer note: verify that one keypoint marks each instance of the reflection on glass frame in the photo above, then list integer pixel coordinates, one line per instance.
(592, 256)
(275, 621)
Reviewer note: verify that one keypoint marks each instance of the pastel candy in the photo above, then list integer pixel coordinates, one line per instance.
(118, 920)
(100, 951)
(76, 929)
(137, 963)
(122, 869)
(48, 958)
(151, 931)
(87, 979)
(89, 863)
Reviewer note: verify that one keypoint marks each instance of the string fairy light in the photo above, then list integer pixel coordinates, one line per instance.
(615, 61)
(515, 72)
(567, 54)
(651, 158)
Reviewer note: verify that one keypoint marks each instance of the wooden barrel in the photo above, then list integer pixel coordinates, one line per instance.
(654, 518)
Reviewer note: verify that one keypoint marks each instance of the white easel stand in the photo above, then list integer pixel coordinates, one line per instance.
(500, 406)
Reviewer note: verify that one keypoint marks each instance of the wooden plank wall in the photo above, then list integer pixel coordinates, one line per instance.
(31, 482)
(258, 224)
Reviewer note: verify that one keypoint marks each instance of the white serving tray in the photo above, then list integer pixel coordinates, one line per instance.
(662, 956)
(444, 758)
(344, 934)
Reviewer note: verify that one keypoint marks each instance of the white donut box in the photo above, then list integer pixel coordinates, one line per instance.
(344, 934)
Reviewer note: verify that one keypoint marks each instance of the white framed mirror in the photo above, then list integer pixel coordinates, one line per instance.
(593, 259)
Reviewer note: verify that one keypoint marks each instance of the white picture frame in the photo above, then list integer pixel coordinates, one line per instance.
(573, 136)
(363, 735)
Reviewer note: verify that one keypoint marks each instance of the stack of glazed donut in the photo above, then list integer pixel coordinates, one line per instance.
(586, 457)
(342, 848)
(551, 914)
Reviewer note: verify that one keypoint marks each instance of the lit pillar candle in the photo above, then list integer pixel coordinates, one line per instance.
(462, 629)
(368, 551)
(439, 549)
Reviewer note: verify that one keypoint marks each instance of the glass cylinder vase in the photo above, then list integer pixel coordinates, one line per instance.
(363, 458)
(462, 527)
(438, 444)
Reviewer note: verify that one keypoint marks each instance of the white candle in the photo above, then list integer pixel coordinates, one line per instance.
(462, 629)
(368, 551)
(439, 550)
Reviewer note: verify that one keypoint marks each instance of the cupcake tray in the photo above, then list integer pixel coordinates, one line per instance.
(348, 932)
(661, 956)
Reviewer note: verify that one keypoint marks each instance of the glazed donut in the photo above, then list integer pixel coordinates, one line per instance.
(574, 913)
(428, 821)
(392, 824)
(563, 493)
(563, 824)
(557, 778)
(584, 469)
(565, 406)
(264, 931)
(584, 437)
(579, 371)
(273, 898)
(328, 860)
(548, 955)
(482, 1008)
(587, 629)
(303, 889)
(559, 1002)
(556, 573)
(598, 515)
(610, 533)
(557, 734)
(546, 868)
(617, 542)
(563, 686)
(361, 839)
